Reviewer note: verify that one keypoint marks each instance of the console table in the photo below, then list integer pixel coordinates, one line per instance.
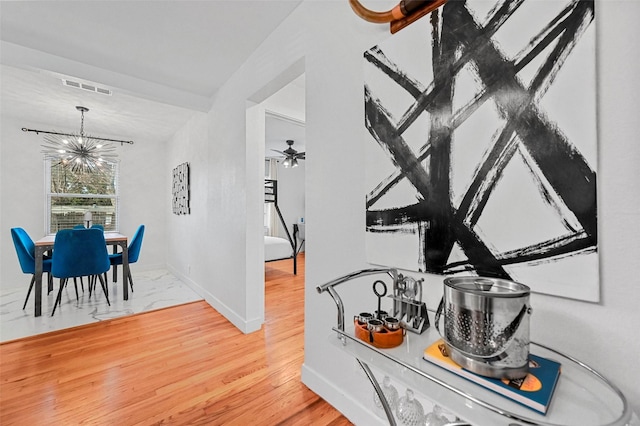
(582, 397)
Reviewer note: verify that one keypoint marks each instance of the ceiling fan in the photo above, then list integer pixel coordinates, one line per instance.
(291, 156)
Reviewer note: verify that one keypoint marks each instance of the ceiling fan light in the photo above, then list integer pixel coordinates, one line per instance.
(287, 162)
(294, 163)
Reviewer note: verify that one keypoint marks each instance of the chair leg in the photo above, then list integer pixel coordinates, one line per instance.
(92, 284)
(130, 281)
(82, 284)
(75, 284)
(104, 288)
(33, 280)
(63, 282)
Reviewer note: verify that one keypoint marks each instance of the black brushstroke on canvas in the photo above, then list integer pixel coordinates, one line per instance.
(555, 163)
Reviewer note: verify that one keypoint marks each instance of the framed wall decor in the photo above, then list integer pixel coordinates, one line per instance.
(181, 190)
(482, 151)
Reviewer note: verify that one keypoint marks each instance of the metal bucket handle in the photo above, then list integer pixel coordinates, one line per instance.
(506, 334)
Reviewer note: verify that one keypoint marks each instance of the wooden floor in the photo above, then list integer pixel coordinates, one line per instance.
(180, 365)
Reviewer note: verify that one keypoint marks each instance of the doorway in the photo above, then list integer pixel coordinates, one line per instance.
(275, 114)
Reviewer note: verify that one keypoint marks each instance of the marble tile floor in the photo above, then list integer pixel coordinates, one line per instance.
(152, 290)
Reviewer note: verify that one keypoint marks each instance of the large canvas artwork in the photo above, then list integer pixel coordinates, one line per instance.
(482, 156)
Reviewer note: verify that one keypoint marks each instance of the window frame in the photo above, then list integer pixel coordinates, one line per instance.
(49, 195)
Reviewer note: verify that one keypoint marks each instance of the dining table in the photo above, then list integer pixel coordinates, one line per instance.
(45, 244)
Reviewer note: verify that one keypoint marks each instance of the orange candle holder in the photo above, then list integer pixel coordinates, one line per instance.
(384, 339)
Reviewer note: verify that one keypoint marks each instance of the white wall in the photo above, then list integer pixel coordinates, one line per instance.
(186, 245)
(335, 196)
(288, 101)
(225, 267)
(599, 334)
(332, 39)
(22, 196)
(143, 197)
(335, 199)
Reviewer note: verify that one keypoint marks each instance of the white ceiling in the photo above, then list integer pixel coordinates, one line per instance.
(163, 60)
(280, 129)
(285, 118)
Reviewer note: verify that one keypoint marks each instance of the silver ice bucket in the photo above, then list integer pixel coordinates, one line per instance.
(486, 325)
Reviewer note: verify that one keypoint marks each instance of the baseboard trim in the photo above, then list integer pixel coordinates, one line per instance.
(349, 407)
(246, 326)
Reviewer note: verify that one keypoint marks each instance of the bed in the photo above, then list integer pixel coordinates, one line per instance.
(278, 248)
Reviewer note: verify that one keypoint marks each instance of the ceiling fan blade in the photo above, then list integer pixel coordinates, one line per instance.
(279, 152)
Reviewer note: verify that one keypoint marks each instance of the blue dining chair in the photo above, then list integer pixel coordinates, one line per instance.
(25, 249)
(81, 226)
(75, 282)
(78, 253)
(134, 252)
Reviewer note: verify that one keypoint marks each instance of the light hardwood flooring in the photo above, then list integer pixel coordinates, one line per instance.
(180, 365)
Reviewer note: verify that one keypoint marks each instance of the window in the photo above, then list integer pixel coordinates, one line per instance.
(70, 195)
(270, 172)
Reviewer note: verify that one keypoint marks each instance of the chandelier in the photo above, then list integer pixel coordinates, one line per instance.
(79, 152)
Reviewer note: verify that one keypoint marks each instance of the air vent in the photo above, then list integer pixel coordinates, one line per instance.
(87, 87)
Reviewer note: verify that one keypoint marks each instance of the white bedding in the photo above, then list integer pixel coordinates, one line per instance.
(276, 248)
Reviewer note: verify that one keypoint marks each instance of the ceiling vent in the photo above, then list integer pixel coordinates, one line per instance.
(86, 86)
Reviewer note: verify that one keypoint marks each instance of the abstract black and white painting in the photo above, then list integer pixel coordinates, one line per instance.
(181, 190)
(482, 150)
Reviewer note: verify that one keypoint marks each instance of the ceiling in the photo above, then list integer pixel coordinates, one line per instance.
(162, 60)
(278, 130)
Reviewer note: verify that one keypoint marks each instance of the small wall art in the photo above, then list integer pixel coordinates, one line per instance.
(181, 190)
(482, 150)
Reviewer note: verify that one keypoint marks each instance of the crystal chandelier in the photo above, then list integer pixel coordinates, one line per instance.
(79, 152)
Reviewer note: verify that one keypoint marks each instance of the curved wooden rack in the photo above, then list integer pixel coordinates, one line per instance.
(403, 14)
